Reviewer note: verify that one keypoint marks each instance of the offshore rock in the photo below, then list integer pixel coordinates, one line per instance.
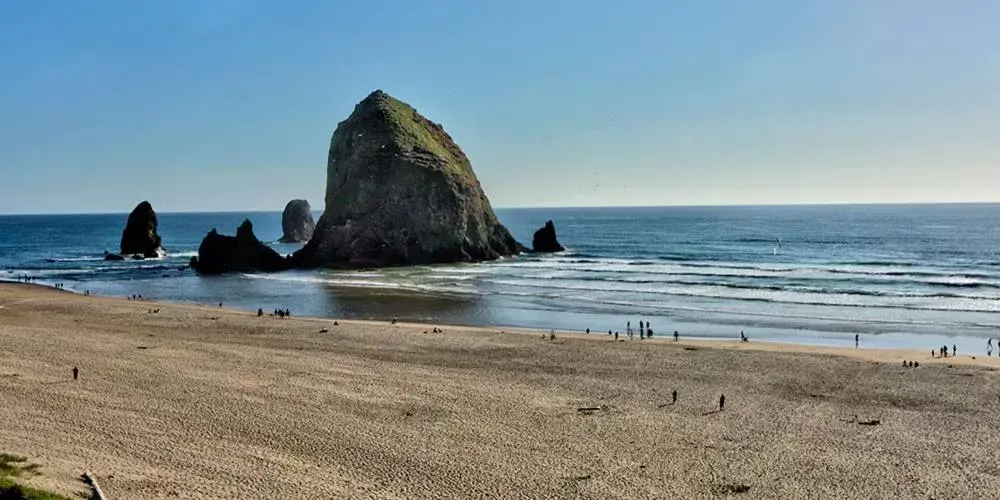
(244, 252)
(139, 236)
(297, 222)
(400, 192)
(112, 256)
(545, 240)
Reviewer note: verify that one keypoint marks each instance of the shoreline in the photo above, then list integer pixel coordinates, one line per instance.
(875, 354)
(334, 296)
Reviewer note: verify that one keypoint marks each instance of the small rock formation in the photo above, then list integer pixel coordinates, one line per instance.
(545, 240)
(112, 256)
(297, 222)
(400, 192)
(139, 236)
(244, 252)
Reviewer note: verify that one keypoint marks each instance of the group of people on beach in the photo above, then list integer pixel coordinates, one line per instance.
(646, 332)
(278, 313)
(24, 278)
(645, 329)
(135, 297)
(943, 351)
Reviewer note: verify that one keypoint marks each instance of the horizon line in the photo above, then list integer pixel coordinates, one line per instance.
(562, 207)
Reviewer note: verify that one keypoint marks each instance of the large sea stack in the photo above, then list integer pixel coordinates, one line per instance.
(297, 222)
(139, 236)
(244, 252)
(399, 191)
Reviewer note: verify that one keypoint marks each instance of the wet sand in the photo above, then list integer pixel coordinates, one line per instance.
(202, 402)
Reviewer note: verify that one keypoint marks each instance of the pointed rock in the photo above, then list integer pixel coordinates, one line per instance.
(545, 240)
(139, 236)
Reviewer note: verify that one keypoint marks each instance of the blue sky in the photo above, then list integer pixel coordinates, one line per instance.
(230, 104)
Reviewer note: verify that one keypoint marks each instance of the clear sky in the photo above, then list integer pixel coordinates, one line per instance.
(230, 104)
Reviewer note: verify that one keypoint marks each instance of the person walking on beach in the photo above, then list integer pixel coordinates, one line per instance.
(616, 336)
(954, 350)
(857, 339)
(640, 324)
(76, 373)
(674, 394)
(722, 402)
(677, 336)
(628, 327)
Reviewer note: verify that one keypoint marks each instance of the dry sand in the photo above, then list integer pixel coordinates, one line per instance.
(209, 403)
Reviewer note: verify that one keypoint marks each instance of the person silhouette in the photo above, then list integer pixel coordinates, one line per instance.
(76, 373)
(675, 396)
(722, 402)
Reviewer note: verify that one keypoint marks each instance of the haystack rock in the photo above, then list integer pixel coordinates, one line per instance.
(545, 239)
(243, 252)
(139, 236)
(297, 222)
(399, 191)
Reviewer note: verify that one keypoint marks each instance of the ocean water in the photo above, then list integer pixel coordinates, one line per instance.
(898, 275)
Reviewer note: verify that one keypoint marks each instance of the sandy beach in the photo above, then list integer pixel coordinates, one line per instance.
(203, 402)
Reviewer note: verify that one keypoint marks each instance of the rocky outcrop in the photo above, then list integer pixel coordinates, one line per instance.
(399, 192)
(112, 256)
(243, 252)
(139, 236)
(545, 240)
(297, 222)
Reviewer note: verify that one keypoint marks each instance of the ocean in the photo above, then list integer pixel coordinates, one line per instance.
(914, 276)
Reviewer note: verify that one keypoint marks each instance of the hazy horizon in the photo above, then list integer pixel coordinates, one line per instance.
(319, 209)
(206, 106)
